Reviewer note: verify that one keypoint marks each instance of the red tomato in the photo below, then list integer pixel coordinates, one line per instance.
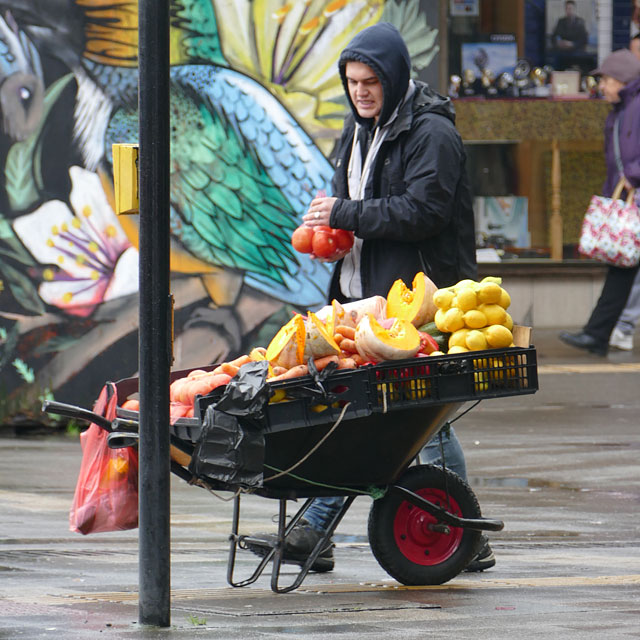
(344, 239)
(301, 239)
(323, 244)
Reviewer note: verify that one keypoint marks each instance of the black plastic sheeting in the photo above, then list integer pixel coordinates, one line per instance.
(231, 443)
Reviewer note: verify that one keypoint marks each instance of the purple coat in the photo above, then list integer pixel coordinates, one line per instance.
(628, 109)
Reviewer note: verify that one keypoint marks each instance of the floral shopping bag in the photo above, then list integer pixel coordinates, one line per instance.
(611, 230)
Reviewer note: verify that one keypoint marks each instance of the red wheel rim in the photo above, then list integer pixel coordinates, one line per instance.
(415, 540)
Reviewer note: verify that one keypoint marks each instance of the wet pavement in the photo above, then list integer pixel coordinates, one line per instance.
(559, 467)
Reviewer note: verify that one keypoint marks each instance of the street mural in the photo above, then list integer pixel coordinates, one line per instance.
(256, 107)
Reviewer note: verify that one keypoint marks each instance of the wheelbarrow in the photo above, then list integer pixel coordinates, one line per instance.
(345, 433)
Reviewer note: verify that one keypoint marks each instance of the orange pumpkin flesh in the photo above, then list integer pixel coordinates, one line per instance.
(416, 304)
(287, 347)
(377, 344)
(319, 340)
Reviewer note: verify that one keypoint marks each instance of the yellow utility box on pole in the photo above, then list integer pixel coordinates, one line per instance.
(125, 178)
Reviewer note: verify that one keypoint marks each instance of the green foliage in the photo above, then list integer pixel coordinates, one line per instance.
(195, 621)
(23, 168)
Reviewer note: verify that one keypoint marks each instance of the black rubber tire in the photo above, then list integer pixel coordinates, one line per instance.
(388, 523)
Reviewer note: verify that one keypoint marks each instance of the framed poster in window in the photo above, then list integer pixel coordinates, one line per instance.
(571, 35)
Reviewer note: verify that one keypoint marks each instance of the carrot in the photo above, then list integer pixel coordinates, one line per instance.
(321, 363)
(348, 345)
(358, 359)
(131, 405)
(278, 371)
(347, 332)
(196, 373)
(176, 387)
(238, 362)
(338, 338)
(346, 363)
(294, 372)
(228, 368)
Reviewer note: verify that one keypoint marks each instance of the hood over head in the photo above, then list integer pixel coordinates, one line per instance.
(382, 48)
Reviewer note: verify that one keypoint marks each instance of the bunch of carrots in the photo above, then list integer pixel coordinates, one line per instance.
(183, 391)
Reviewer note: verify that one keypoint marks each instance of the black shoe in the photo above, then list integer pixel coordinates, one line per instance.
(298, 546)
(584, 341)
(484, 560)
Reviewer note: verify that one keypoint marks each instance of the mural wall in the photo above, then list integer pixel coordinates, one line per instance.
(256, 107)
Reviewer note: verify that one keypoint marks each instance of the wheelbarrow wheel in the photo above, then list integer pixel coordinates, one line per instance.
(402, 536)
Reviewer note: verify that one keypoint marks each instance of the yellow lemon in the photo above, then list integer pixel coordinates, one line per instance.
(458, 349)
(475, 340)
(498, 336)
(452, 320)
(508, 322)
(495, 279)
(494, 313)
(480, 381)
(505, 299)
(438, 318)
(489, 292)
(458, 338)
(475, 319)
(464, 283)
(465, 299)
(442, 298)
(437, 353)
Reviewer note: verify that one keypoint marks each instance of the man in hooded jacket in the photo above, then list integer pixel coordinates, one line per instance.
(400, 185)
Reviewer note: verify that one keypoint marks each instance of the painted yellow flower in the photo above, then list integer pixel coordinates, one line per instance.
(89, 258)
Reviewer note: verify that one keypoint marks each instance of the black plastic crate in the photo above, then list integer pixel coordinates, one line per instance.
(305, 403)
(474, 375)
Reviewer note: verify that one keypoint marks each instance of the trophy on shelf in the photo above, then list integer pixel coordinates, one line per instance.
(540, 78)
(487, 80)
(468, 82)
(521, 72)
(590, 85)
(455, 83)
(505, 86)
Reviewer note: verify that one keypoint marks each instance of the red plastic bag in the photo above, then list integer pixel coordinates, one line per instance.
(106, 497)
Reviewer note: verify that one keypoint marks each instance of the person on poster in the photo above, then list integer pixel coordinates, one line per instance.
(569, 38)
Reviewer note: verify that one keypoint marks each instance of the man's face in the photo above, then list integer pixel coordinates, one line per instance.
(570, 9)
(365, 90)
(634, 46)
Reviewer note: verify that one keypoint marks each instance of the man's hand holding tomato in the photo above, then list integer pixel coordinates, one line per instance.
(317, 238)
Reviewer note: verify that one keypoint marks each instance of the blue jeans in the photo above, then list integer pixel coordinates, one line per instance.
(631, 313)
(322, 510)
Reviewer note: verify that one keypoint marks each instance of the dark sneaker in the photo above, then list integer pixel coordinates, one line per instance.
(484, 560)
(298, 546)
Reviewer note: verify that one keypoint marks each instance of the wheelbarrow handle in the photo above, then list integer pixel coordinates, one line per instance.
(71, 411)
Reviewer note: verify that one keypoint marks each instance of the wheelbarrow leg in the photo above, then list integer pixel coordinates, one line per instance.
(236, 540)
(320, 545)
(233, 548)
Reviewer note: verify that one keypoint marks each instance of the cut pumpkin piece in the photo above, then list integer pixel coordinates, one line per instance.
(319, 341)
(377, 344)
(332, 315)
(287, 347)
(415, 305)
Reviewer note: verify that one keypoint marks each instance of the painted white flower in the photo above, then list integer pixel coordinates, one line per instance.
(92, 259)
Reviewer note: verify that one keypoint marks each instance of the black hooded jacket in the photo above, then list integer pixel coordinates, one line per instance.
(417, 213)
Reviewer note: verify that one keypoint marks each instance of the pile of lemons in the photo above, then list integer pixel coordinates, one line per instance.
(475, 314)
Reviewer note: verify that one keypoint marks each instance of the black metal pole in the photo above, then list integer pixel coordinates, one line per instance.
(154, 338)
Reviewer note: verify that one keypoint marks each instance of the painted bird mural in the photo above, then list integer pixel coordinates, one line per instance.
(243, 168)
